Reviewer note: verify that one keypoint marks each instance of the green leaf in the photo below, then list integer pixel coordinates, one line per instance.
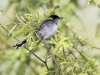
(60, 43)
(12, 29)
(77, 70)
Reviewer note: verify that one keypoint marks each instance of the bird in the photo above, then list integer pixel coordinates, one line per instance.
(46, 30)
(49, 27)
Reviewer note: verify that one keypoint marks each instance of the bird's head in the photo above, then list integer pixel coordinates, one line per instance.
(54, 17)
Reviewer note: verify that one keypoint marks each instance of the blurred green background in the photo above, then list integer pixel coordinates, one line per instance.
(83, 16)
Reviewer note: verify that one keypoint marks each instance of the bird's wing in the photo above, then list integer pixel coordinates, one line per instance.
(47, 22)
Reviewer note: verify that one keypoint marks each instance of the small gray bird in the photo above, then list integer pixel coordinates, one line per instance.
(49, 27)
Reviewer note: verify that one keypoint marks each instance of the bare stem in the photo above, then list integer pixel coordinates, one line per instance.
(45, 62)
(19, 18)
(47, 45)
(7, 17)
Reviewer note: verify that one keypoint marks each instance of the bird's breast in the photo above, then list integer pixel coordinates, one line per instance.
(48, 31)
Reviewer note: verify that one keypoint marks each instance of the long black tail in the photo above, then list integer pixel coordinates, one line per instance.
(19, 44)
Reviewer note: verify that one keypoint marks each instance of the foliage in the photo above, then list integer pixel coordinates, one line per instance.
(64, 45)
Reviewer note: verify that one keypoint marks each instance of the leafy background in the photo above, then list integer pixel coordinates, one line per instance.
(76, 43)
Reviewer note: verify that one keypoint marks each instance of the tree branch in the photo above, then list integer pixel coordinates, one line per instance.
(48, 47)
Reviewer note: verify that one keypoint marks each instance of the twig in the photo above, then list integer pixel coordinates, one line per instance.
(81, 41)
(70, 52)
(46, 58)
(91, 45)
(19, 18)
(45, 62)
(7, 17)
(52, 55)
(8, 32)
(81, 54)
(38, 58)
(46, 65)
(47, 45)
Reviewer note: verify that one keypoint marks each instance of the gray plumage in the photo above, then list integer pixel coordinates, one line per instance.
(49, 27)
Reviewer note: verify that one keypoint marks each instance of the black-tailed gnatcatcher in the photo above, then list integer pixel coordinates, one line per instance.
(47, 29)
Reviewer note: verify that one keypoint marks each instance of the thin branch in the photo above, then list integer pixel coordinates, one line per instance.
(19, 18)
(81, 41)
(34, 55)
(91, 45)
(46, 65)
(8, 32)
(70, 52)
(48, 47)
(38, 58)
(7, 17)
(81, 54)
(45, 62)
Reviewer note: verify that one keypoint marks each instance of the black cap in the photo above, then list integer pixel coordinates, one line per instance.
(55, 17)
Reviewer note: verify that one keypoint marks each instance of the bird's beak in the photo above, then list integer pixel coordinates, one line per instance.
(61, 18)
